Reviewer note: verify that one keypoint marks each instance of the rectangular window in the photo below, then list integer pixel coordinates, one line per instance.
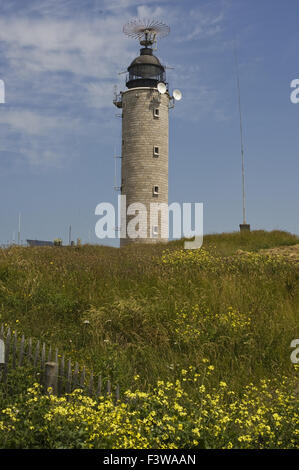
(156, 151)
(156, 112)
(155, 190)
(155, 231)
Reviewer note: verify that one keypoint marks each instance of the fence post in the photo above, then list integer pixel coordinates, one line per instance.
(14, 349)
(30, 350)
(7, 345)
(7, 351)
(2, 352)
(75, 378)
(90, 386)
(51, 377)
(61, 383)
(69, 377)
(99, 388)
(22, 347)
(82, 380)
(36, 355)
(2, 358)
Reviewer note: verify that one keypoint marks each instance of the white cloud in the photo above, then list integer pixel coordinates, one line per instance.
(46, 158)
(146, 12)
(117, 5)
(199, 24)
(61, 62)
(77, 46)
(33, 123)
(40, 137)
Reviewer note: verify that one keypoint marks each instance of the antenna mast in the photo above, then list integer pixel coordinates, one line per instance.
(146, 31)
(19, 231)
(244, 226)
(116, 187)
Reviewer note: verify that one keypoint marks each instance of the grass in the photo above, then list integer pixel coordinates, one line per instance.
(156, 312)
(155, 318)
(227, 243)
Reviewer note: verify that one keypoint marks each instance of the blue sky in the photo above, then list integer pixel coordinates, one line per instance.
(58, 128)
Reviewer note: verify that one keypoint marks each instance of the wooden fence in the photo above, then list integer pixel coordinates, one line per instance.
(50, 368)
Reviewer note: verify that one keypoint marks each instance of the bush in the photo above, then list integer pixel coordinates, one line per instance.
(264, 416)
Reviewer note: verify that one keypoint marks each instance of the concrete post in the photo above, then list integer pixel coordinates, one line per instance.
(51, 377)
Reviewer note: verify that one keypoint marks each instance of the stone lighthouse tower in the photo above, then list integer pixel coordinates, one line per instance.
(144, 156)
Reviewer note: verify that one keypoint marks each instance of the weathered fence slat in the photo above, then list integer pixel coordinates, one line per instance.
(14, 349)
(62, 377)
(69, 377)
(36, 355)
(99, 387)
(61, 383)
(82, 380)
(7, 346)
(76, 376)
(43, 356)
(29, 355)
(6, 355)
(22, 346)
(50, 354)
(2, 358)
(90, 385)
(2, 351)
(43, 362)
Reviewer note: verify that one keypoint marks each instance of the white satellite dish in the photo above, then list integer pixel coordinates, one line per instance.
(177, 94)
(161, 88)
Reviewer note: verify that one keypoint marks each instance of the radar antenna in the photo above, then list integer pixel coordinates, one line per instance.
(146, 31)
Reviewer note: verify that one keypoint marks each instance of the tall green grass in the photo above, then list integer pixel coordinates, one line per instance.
(155, 318)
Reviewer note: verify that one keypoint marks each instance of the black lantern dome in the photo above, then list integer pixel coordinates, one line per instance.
(146, 70)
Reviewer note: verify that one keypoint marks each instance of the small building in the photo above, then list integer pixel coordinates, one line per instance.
(39, 243)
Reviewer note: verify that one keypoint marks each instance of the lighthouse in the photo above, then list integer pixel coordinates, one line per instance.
(145, 108)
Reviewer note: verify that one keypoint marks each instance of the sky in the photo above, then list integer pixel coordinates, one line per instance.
(60, 61)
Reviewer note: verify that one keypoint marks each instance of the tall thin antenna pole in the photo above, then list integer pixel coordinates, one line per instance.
(115, 168)
(241, 133)
(116, 188)
(19, 232)
(70, 234)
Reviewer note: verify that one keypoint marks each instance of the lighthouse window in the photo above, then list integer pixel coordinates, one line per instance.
(155, 190)
(155, 231)
(156, 151)
(156, 112)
